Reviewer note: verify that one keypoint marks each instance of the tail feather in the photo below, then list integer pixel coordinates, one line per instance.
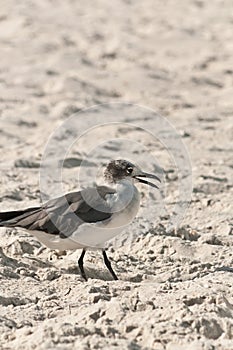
(6, 217)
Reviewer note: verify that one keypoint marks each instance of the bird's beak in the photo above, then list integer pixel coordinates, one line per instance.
(140, 177)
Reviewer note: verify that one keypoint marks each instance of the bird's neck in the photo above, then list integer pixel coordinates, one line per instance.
(125, 193)
(125, 186)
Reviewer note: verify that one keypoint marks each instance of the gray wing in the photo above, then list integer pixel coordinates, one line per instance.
(63, 215)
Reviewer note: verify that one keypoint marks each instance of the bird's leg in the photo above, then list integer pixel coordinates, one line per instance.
(109, 266)
(80, 264)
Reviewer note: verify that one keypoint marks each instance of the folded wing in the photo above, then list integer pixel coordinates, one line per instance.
(63, 215)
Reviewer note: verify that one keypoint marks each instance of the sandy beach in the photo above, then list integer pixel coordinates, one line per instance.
(143, 66)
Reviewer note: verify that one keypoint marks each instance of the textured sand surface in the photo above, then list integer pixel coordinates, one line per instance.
(175, 288)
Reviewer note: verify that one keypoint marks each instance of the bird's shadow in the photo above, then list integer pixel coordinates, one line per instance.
(91, 273)
(101, 274)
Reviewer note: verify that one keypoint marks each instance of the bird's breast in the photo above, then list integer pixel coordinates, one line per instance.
(128, 211)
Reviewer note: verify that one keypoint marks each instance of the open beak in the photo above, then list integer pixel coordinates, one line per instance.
(140, 178)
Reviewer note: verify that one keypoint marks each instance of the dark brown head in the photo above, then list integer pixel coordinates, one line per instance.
(121, 169)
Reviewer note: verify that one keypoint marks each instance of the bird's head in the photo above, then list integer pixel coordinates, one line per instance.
(122, 169)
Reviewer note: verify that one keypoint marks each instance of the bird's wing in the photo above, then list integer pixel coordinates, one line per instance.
(63, 215)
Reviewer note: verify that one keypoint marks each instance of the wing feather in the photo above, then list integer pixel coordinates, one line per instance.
(63, 215)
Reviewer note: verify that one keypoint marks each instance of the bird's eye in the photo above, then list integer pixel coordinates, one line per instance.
(129, 170)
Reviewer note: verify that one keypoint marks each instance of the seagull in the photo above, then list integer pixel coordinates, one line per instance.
(86, 219)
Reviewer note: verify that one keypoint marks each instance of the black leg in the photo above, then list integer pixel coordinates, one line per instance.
(80, 264)
(109, 266)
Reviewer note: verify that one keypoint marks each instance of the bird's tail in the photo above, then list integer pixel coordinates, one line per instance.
(11, 218)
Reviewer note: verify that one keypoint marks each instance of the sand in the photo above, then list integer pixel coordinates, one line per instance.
(175, 286)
